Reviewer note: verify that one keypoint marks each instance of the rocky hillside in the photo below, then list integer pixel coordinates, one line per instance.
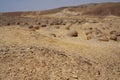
(68, 43)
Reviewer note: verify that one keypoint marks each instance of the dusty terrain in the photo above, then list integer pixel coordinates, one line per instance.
(69, 43)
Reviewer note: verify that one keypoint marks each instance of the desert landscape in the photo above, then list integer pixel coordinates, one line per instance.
(68, 43)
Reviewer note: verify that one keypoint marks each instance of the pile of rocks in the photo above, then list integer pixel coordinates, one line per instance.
(95, 33)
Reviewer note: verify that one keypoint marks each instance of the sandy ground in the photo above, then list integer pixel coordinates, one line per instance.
(34, 55)
(60, 46)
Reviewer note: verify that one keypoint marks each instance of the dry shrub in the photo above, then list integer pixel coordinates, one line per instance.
(72, 33)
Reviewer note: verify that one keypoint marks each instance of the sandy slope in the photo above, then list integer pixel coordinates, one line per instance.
(61, 44)
(29, 55)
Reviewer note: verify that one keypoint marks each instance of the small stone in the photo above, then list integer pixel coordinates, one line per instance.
(72, 33)
(89, 36)
(113, 37)
(113, 32)
(88, 32)
(103, 38)
(44, 25)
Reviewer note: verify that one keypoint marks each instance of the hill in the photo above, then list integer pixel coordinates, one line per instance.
(68, 43)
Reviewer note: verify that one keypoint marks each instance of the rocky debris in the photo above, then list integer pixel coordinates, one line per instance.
(22, 62)
(43, 25)
(95, 33)
(114, 35)
(92, 33)
(40, 21)
(56, 22)
(35, 62)
(35, 27)
(60, 23)
(4, 50)
(81, 21)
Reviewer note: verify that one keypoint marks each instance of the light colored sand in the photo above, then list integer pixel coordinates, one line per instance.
(34, 55)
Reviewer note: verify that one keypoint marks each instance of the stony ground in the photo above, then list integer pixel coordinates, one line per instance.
(52, 47)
